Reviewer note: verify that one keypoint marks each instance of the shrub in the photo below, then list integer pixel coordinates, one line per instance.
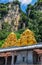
(3, 34)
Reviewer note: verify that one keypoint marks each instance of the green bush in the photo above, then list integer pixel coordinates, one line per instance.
(18, 35)
(20, 31)
(1, 42)
(3, 34)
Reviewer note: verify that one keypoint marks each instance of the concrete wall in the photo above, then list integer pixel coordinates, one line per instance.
(22, 57)
(25, 57)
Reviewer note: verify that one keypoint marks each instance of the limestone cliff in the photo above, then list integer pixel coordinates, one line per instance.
(13, 15)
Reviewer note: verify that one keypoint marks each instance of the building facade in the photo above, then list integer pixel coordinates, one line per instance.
(21, 55)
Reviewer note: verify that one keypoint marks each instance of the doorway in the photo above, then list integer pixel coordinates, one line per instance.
(2, 61)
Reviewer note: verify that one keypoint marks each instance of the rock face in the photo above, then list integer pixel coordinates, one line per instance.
(13, 16)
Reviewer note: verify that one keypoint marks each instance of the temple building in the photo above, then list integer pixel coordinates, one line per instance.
(21, 55)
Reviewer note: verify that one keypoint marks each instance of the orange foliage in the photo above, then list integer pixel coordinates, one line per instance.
(10, 41)
(26, 38)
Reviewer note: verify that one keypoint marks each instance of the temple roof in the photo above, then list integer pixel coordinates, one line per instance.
(36, 46)
(38, 51)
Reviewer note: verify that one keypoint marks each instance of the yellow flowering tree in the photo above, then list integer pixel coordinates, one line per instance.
(10, 41)
(26, 38)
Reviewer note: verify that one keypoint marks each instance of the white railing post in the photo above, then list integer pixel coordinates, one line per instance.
(12, 60)
(6, 60)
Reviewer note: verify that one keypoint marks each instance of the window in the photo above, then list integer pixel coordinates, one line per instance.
(23, 59)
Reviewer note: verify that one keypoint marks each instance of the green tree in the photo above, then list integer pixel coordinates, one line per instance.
(35, 20)
(29, 8)
(6, 26)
